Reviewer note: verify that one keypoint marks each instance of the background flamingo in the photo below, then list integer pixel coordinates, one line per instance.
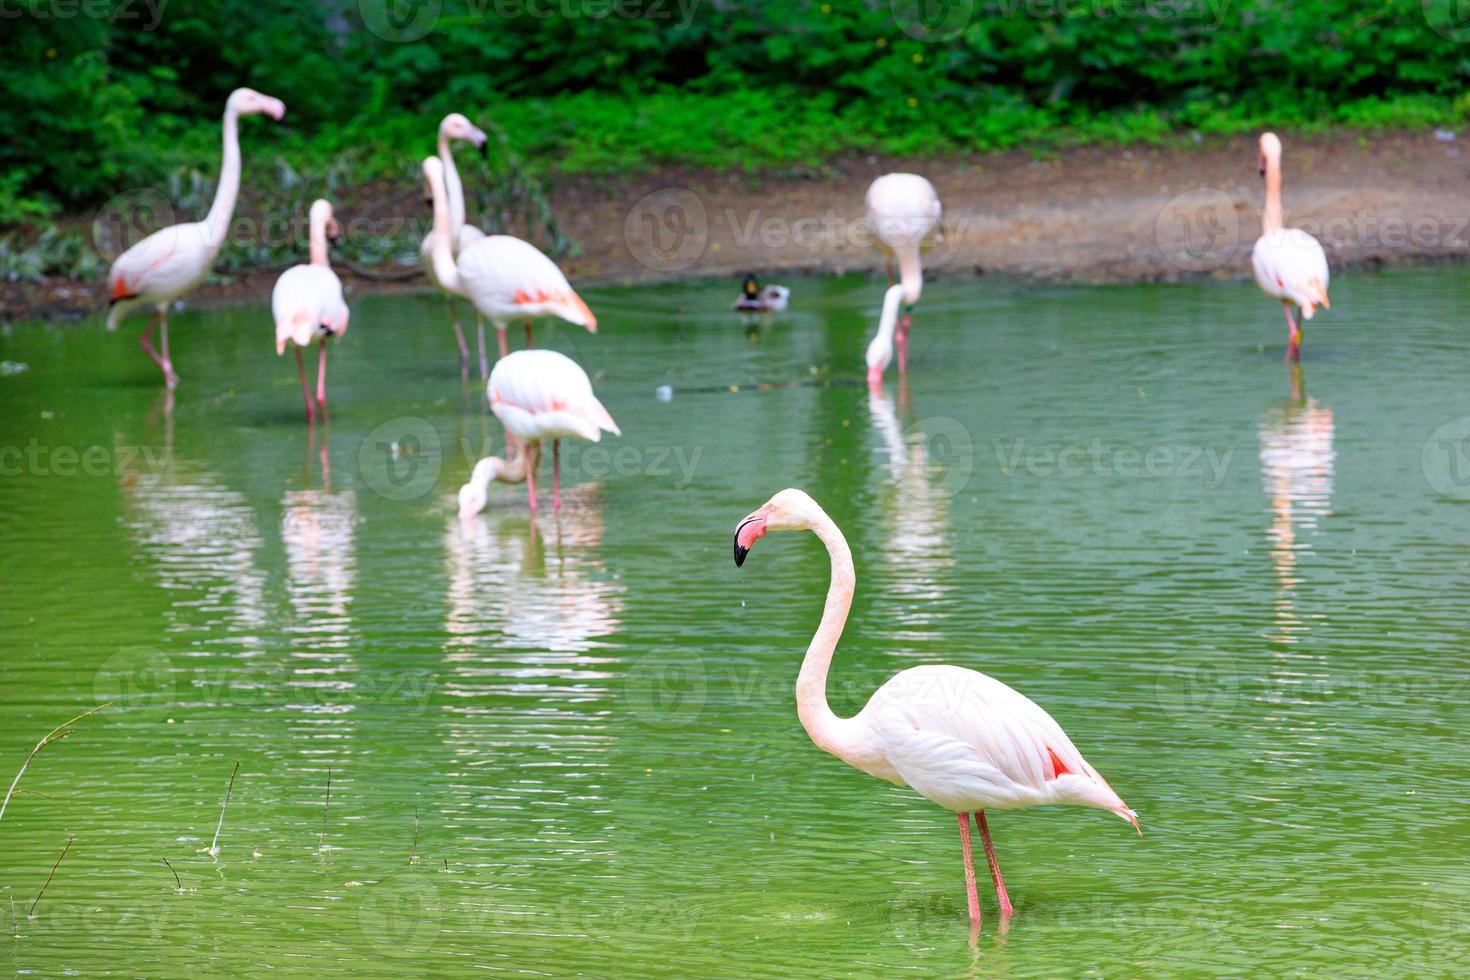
(456, 127)
(903, 209)
(537, 395)
(1289, 263)
(307, 305)
(173, 260)
(472, 496)
(504, 277)
(959, 738)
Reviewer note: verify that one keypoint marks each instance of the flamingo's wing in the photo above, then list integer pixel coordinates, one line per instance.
(514, 278)
(1290, 264)
(541, 392)
(305, 298)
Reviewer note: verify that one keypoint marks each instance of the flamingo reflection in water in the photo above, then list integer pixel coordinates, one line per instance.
(1297, 458)
(915, 509)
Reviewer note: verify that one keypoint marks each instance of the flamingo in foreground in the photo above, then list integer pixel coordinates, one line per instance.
(307, 305)
(903, 209)
(1289, 263)
(456, 127)
(957, 737)
(506, 278)
(537, 395)
(173, 260)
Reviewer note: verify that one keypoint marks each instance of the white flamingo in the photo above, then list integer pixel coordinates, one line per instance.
(173, 260)
(307, 305)
(456, 127)
(506, 278)
(1289, 263)
(959, 738)
(903, 210)
(537, 395)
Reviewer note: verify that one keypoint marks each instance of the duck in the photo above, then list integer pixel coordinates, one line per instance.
(755, 298)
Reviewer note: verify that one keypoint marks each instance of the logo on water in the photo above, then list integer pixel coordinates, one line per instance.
(666, 690)
(400, 459)
(1197, 684)
(1445, 459)
(134, 679)
(399, 21)
(1199, 230)
(400, 915)
(667, 230)
(948, 453)
(933, 21)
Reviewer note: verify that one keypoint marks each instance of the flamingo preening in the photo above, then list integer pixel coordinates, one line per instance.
(307, 305)
(506, 278)
(456, 127)
(173, 260)
(903, 209)
(1289, 263)
(957, 737)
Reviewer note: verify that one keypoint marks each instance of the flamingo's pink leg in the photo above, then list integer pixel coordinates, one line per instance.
(305, 388)
(1294, 345)
(500, 337)
(902, 343)
(480, 336)
(533, 457)
(321, 380)
(972, 897)
(464, 349)
(529, 342)
(556, 474)
(145, 341)
(1006, 909)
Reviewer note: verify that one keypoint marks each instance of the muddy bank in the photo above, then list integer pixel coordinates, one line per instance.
(1094, 215)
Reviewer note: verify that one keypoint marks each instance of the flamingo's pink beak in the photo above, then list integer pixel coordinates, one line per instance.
(276, 109)
(748, 532)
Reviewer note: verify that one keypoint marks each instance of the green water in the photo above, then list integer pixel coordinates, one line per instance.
(1247, 609)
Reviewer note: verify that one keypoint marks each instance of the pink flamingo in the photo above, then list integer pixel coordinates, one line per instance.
(959, 738)
(173, 260)
(506, 278)
(307, 305)
(1289, 263)
(456, 127)
(537, 395)
(903, 209)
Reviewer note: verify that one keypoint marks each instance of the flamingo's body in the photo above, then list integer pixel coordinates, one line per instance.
(902, 210)
(506, 278)
(173, 260)
(307, 305)
(957, 737)
(1288, 263)
(456, 127)
(537, 395)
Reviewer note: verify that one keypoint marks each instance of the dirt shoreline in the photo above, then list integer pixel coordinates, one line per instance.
(1088, 215)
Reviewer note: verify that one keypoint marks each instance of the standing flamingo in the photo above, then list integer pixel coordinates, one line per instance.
(173, 260)
(903, 209)
(307, 305)
(456, 127)
(506, 278)
(537, 395)
(959, 738)
(1289, 263)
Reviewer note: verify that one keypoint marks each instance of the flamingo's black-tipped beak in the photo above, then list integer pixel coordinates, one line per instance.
(747, 533)
(484, 150)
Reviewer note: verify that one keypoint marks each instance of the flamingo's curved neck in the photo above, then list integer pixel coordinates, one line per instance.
(829, 732)
(319, 240)
(1271, 217)
(217, 223)
(910, 275)
(880, 349)
(453, 189)
(441, 251)
(512, 470)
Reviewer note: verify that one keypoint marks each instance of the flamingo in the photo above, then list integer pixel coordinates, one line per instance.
(1289, 263)
(903, 209)
(506, 278)
(537, 395)
(173, 260)
(307, 305)
(456, 127)
(959, 738)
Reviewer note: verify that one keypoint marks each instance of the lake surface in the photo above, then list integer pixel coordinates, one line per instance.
(568, 745)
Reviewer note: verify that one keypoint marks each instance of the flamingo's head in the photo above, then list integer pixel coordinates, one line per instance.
(457, 127)
(321, 214)
(789, 510)
(248, 102)
(471, 500)
(880, 353)
(1270, 151)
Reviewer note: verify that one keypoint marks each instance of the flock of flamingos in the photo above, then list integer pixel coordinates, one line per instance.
(958, 737)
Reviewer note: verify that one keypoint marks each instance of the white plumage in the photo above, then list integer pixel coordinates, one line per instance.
(902, 211)
(543, 394)
(307, 304)
(1288, 263)
(451, 128)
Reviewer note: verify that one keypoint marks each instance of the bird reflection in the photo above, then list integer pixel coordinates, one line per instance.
(915, 510)
(1297, 457)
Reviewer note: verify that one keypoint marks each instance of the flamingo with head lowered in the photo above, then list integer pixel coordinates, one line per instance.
(307, 305)
(959, 738)
(903, 210)
(173, 260)
(506, 278)
(1289, 263)
(456, 127)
